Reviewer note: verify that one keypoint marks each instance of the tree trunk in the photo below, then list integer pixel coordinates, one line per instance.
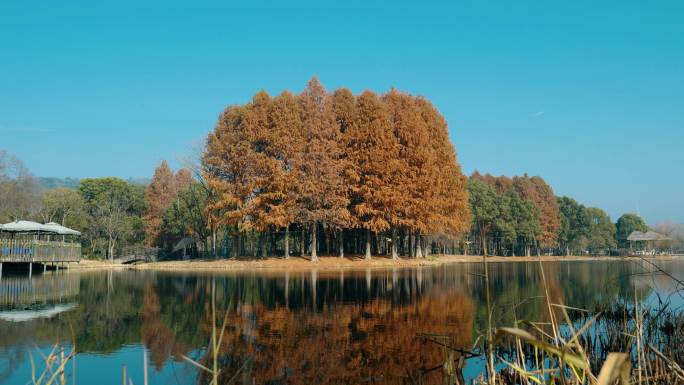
(419, 251)
(401, 242)
(341, 243)
(213, 242)
(376, 245)
(395, 251)
(314, 256)
(328, 235)
(368, 244)
(259, 247)
(236, 244)
(483, 235)
(287, 242)
(110, 249)
(272, 249)
(264, 246)
(227, 251)
(410, 246)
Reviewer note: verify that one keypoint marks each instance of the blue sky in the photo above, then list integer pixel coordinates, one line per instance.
(587, 94)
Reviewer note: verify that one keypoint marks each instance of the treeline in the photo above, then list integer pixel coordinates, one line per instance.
(112, 214)
(522, 216)
(365, 174)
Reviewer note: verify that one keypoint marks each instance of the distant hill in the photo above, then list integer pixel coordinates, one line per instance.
(140, 181)
(46, 183)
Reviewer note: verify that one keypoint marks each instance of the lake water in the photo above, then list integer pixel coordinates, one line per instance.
(376, 326)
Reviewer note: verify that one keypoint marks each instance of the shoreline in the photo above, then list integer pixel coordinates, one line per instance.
(298, 263)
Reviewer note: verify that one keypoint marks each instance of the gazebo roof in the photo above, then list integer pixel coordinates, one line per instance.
(53, 227)
(647, 236)
(35, 227)
(21, 227)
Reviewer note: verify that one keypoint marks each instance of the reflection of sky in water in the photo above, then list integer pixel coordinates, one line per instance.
(106, 369)
(664, 285)
(119, 311)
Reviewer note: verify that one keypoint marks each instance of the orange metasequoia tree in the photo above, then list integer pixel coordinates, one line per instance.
(369, 173)
(373, 151)
(446, 198)
(344, 108)
(321, 191)
(226, 170)
(159, 194)
(537, 191)
(285, 146)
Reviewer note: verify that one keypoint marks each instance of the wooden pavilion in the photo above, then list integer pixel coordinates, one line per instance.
(31, 242)
(645, 243)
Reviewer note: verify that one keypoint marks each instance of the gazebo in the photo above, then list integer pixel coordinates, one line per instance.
(184, 244)
(646, 241)
(32, 242)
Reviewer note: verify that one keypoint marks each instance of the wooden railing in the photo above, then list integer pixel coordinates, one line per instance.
(22, 250)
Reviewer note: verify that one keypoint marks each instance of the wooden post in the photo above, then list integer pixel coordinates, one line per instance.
(123, 374)
(30, 269)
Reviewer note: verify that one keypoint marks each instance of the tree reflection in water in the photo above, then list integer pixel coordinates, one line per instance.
(310, 327)
(348, 343)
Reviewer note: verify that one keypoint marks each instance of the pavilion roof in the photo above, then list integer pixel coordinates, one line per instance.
(35, 227)
(21, 227)
(647, 236)
(53, 227)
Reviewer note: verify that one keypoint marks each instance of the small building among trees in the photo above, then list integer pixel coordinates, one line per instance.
(646, 243)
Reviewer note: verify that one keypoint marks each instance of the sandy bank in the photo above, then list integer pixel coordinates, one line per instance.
(90, 264)
(355, 262)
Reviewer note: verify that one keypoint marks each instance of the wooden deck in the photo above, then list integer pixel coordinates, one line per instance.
(20, 250)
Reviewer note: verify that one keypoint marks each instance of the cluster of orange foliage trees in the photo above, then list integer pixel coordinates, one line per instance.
(367, 172)
(159, 194)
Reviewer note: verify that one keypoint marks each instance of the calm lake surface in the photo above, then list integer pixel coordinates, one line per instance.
(373, 326)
